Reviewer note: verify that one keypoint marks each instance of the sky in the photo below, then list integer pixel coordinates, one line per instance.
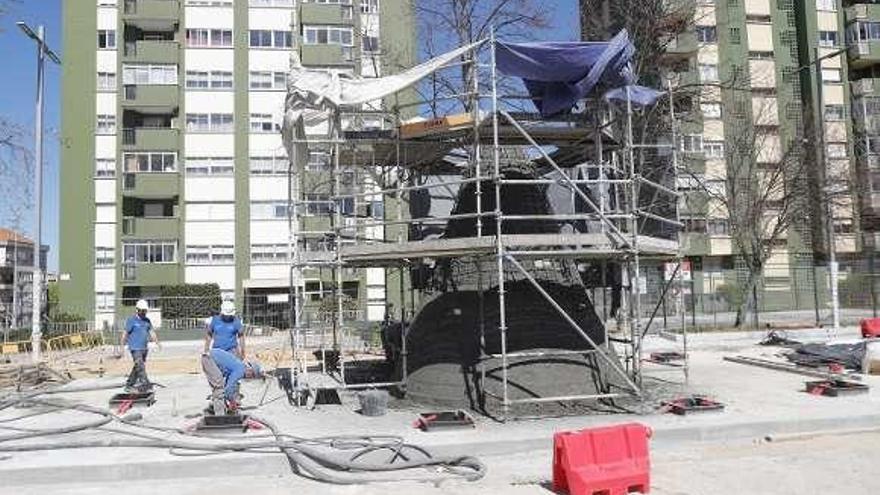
(19, 73)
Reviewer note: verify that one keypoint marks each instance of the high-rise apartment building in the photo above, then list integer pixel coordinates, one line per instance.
(798, 74)
(173, 169)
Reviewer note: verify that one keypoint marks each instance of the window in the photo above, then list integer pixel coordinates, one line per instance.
(369, 6)
(209, 3)
(829, 5)
(697, 225)
(152, 162)
(708, 72)
(268, 210)
(711, 110)
(105, 300)
(707, 34)
(864, 31)
(269, 165)
(327, 35)
(370, 44)
(262, 122)
(269, 253)
(271, 3)
(215, 38)
(828, 38)
(317, 204)
(215, 79)
(831, 75)
(149, 252)
(144, 74)
(264, 38)
(105, 167)
(106, 81)
(691, 143)
(209, 166)
(104, 256)
(834, 112)
(268, 80)
(713, 149)
(106, 124)
(106, 39)
(758, 55)
(210, 255)
(319, 161)
(836, 150)
(718, 226)
(209, 122)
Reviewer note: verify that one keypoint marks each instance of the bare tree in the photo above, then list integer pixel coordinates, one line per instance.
(16, 169)
(760, 193)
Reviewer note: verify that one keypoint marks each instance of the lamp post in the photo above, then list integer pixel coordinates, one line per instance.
(43, 51)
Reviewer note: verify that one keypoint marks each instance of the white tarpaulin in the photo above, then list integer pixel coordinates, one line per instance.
(327, 87)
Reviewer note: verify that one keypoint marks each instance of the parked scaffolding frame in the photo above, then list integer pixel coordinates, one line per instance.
(619, 238)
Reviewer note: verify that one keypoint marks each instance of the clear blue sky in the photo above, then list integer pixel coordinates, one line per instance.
(17, 97)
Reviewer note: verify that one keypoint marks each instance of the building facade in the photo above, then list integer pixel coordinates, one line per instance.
(799, 74)
(173, 170)
(16, 279)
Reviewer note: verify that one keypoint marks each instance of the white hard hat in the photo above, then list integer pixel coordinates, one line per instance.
(142, 305)
(227, 308)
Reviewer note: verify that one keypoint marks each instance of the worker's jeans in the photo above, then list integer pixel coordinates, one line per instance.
(138, 375)
(217, 383)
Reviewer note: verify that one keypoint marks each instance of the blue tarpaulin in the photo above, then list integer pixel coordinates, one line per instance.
(557, 74)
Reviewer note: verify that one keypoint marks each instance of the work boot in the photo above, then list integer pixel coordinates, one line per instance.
(232, 407)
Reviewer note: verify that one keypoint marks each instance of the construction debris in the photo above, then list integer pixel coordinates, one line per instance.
(690, 405)
(790, 368)
(443, 420)
(22, 376)
(836, 388)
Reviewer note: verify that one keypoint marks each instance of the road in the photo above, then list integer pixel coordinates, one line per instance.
(818, 465)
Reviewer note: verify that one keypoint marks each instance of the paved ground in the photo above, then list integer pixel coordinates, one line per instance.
(714, 453)
(821, 465)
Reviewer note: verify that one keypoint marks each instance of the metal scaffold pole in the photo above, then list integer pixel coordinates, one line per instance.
(499, 245)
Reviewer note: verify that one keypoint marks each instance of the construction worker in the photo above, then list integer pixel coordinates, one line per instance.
(138, 332)
(224, 370)
(224, 332)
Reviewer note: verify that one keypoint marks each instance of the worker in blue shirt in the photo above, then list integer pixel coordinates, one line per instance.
(224, 332)
(225, 371)
(138, 332)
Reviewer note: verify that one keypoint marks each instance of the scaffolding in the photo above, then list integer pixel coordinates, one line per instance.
(621, 236)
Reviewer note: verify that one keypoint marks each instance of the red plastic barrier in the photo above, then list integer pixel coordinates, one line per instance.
(870, 327)
(609, 460)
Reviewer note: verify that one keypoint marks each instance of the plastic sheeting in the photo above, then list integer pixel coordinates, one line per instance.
(558, 74)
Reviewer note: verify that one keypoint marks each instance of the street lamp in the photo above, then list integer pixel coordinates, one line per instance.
(43, 51)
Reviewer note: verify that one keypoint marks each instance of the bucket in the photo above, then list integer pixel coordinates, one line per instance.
(373, 402)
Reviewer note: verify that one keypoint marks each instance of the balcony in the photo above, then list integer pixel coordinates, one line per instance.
(160, 228)
(694, 244)
(327, 55)
(150, 99)
(150, 274)
(150, 139)
(864, 54)
(151, 51)
(312, 13)
(151, 185)
(151, 14)
(682, 46)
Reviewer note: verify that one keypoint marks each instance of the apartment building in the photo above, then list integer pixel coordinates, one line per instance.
(16, 279)
(798, 74)
(173, 169)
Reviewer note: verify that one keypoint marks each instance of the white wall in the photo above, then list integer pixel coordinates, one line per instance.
(266, 144)
(268, 188)
(105, 213)
(269, 272)
(105, 235)
(202, 212)
(210, 102)
(209, 59)
(219, 145)
(107, 20)
(269, 231)
(106, 61)
(203, 233)
(105, 279)
(209, 17)
(223, 275)
(105, 104)
(267, 102)
(274, 60)
(105, 146)
(105, 190)
(209, 189)
(275, 18)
